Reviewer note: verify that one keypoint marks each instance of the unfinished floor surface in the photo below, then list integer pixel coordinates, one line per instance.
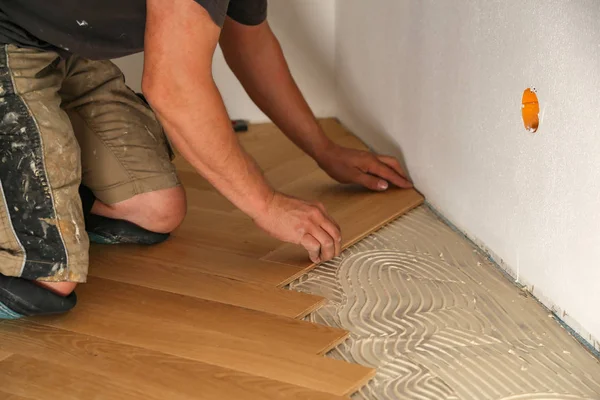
(203, 315)
(439, 321)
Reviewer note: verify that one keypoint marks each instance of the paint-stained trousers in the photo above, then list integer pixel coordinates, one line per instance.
(64, 121)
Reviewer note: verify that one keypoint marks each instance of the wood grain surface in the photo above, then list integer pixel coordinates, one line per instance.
(204, 315)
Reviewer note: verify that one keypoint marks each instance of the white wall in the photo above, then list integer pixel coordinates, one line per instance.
(443, 80)
(306, 30)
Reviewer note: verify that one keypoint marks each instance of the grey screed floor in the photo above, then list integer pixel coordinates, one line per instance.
(439, 321)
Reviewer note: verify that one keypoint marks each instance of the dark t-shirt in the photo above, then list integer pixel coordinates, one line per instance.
(99, 29)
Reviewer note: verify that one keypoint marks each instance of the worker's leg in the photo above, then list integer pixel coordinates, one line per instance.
(126, 159)
(158, 211)
(43, 244)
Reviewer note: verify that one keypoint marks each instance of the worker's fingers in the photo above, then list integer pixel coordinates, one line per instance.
(393, 163)
(313, 247)
(321, 207)
(371, 182)
(327, 243)
(333, 229)
(382, 170)
(327, 216)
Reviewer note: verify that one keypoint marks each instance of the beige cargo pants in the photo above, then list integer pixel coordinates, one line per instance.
(64, 121)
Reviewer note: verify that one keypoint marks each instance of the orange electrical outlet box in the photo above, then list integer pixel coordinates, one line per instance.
(530, 110)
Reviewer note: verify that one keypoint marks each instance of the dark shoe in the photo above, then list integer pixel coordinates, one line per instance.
(105, 230)
(21, 298)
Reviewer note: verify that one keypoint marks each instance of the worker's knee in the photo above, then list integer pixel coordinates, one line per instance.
(167, 211)
(160, 211)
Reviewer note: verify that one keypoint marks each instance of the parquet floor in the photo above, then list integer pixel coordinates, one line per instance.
(203, 315)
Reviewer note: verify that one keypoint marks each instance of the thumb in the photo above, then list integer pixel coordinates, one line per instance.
(372, 182)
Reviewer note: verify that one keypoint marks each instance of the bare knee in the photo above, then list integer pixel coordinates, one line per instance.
(166, 210)
(60, 288)
(159, 211)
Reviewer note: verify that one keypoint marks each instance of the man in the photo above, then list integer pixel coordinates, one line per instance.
(68, 119)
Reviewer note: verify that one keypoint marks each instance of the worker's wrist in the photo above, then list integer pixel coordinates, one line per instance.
(260, 205)
(324, 151)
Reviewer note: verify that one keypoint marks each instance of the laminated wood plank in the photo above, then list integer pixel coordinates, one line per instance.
(226, 232)
(192, 282)
(358, 212)
(276, 153)
(357, 219)
(183, 253)
(301, 178)
(184, 338)
(290, 171)
(198, 320)
(10, 396)
(318, 186)
(198, 199)
(368, 214)
(4, 355)
(201, 314)
(266, 135)
(46, 380)
(267, 145)
(270, 148)
(177, 378)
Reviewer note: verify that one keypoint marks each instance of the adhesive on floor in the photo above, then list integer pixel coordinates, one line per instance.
(439, 321)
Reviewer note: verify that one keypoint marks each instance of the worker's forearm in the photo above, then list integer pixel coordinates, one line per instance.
(260, 66)
(197, 124)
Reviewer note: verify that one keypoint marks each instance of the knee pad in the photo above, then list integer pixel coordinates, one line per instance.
(21, 298)
(116, 231)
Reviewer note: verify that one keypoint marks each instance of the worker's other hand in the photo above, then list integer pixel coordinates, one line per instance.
(370, 170)
(308, 224)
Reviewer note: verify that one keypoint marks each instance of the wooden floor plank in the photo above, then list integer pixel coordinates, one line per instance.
(261, 143)
(186, 254)
(357, 219)
(290, 171)
(202, 199)
(183, 339)
(317, 186)
(195, 283)
(236, 234)
(271, 149)
(11, 396)
(366, 215)
(176, 378)
(273, 152)
(203, 315)
(45, 380)
(219, 324)
(4, 355)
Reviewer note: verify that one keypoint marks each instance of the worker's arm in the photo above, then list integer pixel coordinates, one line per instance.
(179, 44)
(254, 55)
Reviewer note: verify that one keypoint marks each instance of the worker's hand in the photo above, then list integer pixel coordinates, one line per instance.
(296, 221)
(370, 170)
